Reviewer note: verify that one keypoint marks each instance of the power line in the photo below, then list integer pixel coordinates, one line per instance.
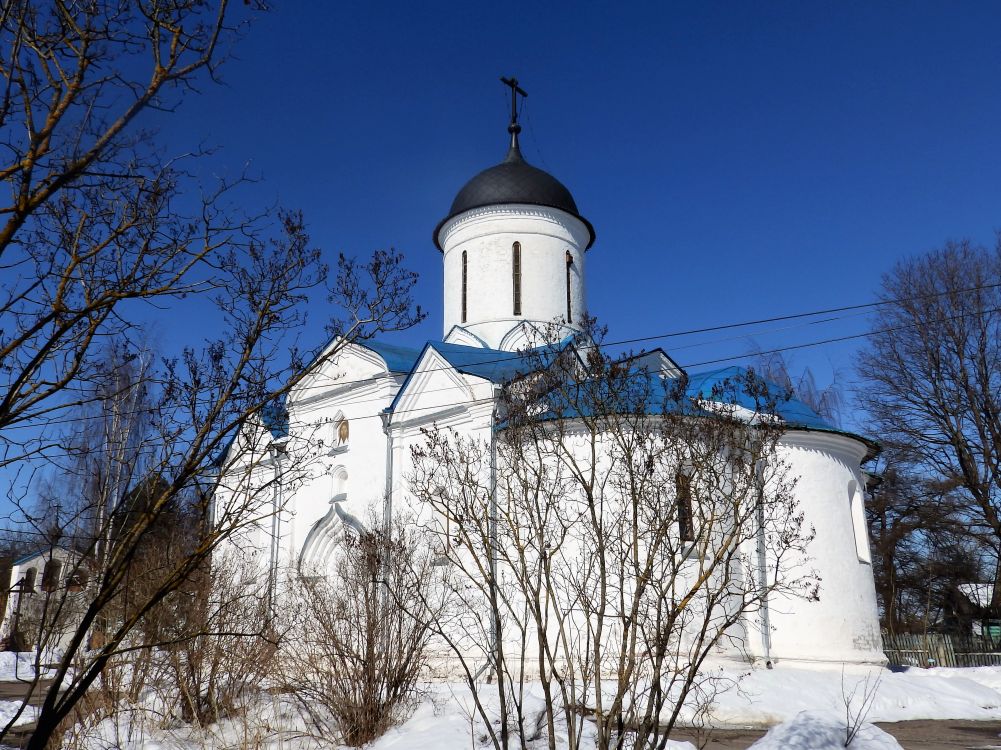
(676, 334)
(723, 327)
(489, 400)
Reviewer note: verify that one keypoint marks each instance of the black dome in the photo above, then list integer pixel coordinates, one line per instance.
(514, 181)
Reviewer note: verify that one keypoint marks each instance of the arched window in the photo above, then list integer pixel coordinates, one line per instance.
(516, 276)
(683, 495)
(6, 568)
(28, 582)
(569, 264)
(50, 575)
(465, 280)
(856, 505)
(339, 485)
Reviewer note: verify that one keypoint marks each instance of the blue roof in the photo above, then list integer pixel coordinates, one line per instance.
(793, 412)
(491, 364)
(734, 380)
(398, 358)
(275, 418)
(727, 385)
(646, 390)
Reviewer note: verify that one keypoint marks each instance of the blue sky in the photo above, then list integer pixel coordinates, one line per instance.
(738, 160)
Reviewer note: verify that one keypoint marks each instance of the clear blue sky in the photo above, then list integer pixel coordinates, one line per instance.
(738, 160)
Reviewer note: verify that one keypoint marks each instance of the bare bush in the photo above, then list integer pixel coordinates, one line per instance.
(360, 647)
(223, 645)
(614, 532)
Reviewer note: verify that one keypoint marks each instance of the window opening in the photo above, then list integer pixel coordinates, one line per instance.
(856, 502)
(465, 278)
(569, 264)
(516, 276)
(50, 575)
(683, 491)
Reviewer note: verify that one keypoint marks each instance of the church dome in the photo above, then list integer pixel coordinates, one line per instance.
(514, 181)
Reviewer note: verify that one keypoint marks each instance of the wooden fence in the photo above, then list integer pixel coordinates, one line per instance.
(939, 650)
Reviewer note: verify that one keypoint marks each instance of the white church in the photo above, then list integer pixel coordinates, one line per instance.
(514, 250)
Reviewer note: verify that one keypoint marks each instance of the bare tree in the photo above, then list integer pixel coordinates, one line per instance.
(932, 378)
(776, 368)
(90, 221)
(612, 535)
(923, 550)
(94, 224)
(362, 634)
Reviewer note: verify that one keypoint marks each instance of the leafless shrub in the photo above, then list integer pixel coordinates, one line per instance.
(356, 659)
(613, 534)
(858, 702)
(222, 648)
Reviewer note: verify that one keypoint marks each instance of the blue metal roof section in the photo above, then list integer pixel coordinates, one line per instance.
(490, 364)
(399, 359)
(728, 385)
(275, 418)
(791, 410)
(734, 381)
(494, 365)
(220, 457)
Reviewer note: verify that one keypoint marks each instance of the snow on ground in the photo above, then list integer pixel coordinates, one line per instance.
(808, 705)
(9, 708)
(817, 730)
(446, 722)
(18, 665)
(769, 696)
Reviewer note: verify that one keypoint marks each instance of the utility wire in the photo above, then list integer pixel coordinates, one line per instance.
(676, 334)
(473, 402)
(710, 329)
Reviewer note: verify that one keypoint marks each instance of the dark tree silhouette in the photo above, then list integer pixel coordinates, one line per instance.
(931, 381)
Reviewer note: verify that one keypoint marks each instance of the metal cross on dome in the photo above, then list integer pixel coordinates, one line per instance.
(512, 83)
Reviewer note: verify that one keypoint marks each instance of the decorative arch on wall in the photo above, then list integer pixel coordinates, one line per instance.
(460, 335)
(330, 531)
(523, 336)
(338, 435)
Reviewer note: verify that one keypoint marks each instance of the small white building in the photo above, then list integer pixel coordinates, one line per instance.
(514, 252)
(37, 584)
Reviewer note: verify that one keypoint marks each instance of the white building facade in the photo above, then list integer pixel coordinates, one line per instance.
(514, 250)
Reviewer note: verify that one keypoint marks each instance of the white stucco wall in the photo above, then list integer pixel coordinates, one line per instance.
(843, 626)
(355, 386)
(487, 235)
